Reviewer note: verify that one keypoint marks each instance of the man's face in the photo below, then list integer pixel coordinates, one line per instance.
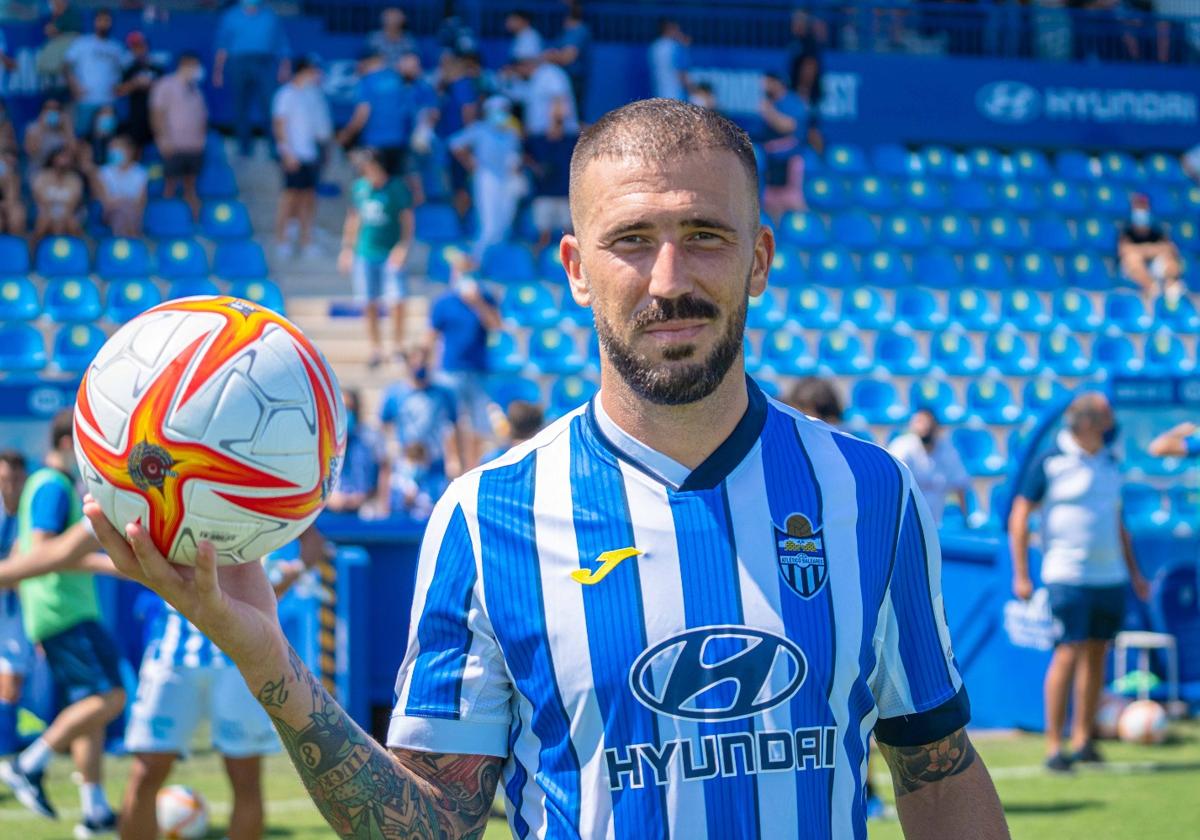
(924, 426)
(393, 20)
(665, 253)
(409, 66)
(12, 480)
(102, 24)
(514, 23)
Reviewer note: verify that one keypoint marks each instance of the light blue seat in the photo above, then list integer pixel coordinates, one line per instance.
(508, 262)
(1005, 232)
(437, 223)
(1125, 312)
(18, 300)
(1097, 234)
(1024, 310)
(811, 308)
(1006, 353)
(1186, 234)
(1018, 197)
(937, 396)
(884, 267)
(924, 195)
(856, 230)
(936, 267)
(983, 162)
(21, 349)
(1116, 355)
(973, 196)
(72, 299)
(260, 291)
(1075, 166)
(876, 194)
(503, 354)
(1178, 313)
(553, 351)
(833, 266)
(846, 159)
(826, 193)
(1066, 197)
(986, 270)
(865, 308)
(808, 230)
(181, 258)
(129, 298)
(991, 400)
(168, 218)
(239, 260)
(1109, 201)
(895, 161)
(1073, 310)
(569, 392)
(970, 309)
(1165, 169)
(841, 353)
(1143, 507)
(787, 354)
(1118, 166)
(121, 259)
(550, 267)
(75, 345)
(191, 287)
(876, 401)
(14, 256)
(906, 230)
(897, 354)
(529, 305)
(1190, 198)
(937, 161)
(766, 311)
(977, 449)
(1164, 200)
(1036, 270)
(504, 388)
(1052, 233)
(216, 181)
(951, 352)
(61, 256)
(1030, 164)
(919, 309)
(1165, 355)
(954, 230)
(574, 315)
(1041, 394)
(787, 266)
(1060, 351)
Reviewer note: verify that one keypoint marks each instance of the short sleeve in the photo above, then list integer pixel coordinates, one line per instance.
(1193, 446)
(956, 473)
(917, 684)
(453, 691)
(279, 105)
(463, 139)
(437, 316)
(49, 508)
(1033, 483)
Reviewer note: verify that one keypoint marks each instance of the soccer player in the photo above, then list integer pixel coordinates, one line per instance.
(15, 652)
(677, 611)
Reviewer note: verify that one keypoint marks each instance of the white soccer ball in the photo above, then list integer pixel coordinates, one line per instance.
(1143, 722)
(1109, 714)
(182, 813)
(210, 418)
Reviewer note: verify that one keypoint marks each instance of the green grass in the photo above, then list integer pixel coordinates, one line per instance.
(1147, 792)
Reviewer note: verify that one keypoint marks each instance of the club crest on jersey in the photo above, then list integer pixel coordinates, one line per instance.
(800, 549)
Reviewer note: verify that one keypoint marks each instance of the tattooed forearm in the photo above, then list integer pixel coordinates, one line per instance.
(915, 767)
(361, 789)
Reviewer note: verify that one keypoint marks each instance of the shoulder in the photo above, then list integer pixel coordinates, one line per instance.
(820, 439)
(520, 457)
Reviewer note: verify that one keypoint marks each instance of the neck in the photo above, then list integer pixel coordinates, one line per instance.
(687, 434)
(56, 461)
(1091, 444)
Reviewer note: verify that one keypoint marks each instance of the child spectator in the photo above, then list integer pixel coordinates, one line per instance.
(121, 187)
(58, 195)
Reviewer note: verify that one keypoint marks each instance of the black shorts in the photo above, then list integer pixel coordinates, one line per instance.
(392, 159)
(183, 164)
(304, 177)
(84, 662)
(1087, 613)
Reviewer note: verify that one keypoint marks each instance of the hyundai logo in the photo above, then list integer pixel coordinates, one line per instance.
(717, 673)
(1008, 102)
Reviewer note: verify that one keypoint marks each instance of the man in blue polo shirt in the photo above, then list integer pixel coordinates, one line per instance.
(383, 117)
(253, 48)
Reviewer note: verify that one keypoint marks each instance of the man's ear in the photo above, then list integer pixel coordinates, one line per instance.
(764, 255)
(569, 254)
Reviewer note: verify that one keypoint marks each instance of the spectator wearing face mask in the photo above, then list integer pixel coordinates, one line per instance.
(392, 42)
(94, 63)
(415, 410)
(137, 81)
(302, 125)
(179, 118)
(934, 462)
(94, 151)
(58, 194)
(50, 132)
(1146, 253)
(12, 205)
(121, 187)
(491, 151)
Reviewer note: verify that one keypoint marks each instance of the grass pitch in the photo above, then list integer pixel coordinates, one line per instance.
(1144, 792)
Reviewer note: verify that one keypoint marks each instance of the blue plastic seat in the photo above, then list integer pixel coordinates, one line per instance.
(18, 300)
(1165, 355)
(811, 308)
(1040, 395)
(992, 401)
(1109, 202)
(240, 260)
(842, 353)
(787, 266)
(986, 270)
(919, 309)
(1024, 310)
(1075, 166)
(877, 402)
(954, 230)
(865, 308)
(1142, 507)
(1005, 232)
(550, 267)
(1006, 353)
(260, 291)
(168, 218)
(1126, 312)
(972, 196)
(571, 314)
(76, 345)
(1030, 164)
(846, 159)
(895, 161)
(191, 287)
(1097, 234)
(856, 230)
(807, 230)
(1052, 233)
(923, 195)
(1164, 168)
(508, 262)
(181, 258)
(1164, 200)
(504, 388)
(937, 396)
(437, 223)
(983, 162)
(884, 267)
(121, 259)
(875, 193)
(503, 354)
(21, 349)
(553, 351)
(787, 354)
(1118, 166)
(1074, 310)
(978, 451)
(1190, 198)
(1018, 197)
(224, 220)
(936, 267)
(1186, 234)
(569, 392)
(130, 298)
(897, 353)
(971, 309)
(938, 161)
(14, 256)
(826, 193)
(529, 305)
(216, 181)
(1036, 270)
(951, 352)
(1116, 355)
(906, 230)
(1178, 313)
(1060, 351)
(62, 256)
(72, 299)
(1066, 197)
(764, 312)
(1089, 272)
(833, 267)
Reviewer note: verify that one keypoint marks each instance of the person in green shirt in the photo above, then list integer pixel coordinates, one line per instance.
(375, 241)
(61, 613)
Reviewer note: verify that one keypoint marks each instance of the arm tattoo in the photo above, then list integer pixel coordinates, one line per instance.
(915, 767)
(360, 788)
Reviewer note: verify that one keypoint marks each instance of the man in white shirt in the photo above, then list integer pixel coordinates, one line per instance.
(669, 61)
(934, 462)
(94, 64)
(302, 125)
(527, 41)
(547, 92)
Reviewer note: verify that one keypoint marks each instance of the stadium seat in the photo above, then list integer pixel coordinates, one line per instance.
(1018, 197)
(1061, 352)
(884, 267)
(1125, 312)
(1178, 313)
(925, 196)
(1030, 164)
(807, 230)
(787, 268)
(936, 267)
(168, 218)
(224, 220)
(75, 300)
(1004, 232)
(1190, 198)
(1097, 234)
(865, 308)
(1118, 166)
(508, 262)
(1142, 507)
(1165, 355)
(1073, 310)
(1035, 270)
(1066, 197)
(833, 267)
(954, 230)
(877, 402)
(919, 309)
(977, 448)
(181, 258)
(529, 305)
(971, 309)
(191, 287)
(216, 181)
(130, 298)
(21, 349)
(240, 260)
(764, 312)
(951, 352)
(1185, 505)
(1116, 355)
(504, 388)
(553, 351)
(938, 161)
(62, 256)
(906, 230)
(437, 223)
(1006, 353)
(972, 196)
(1085, 271)
(569, 392)
(856, 230)
(1024, 310)
(1052, 233)
(986, 270)
(1164, 201)
(1108, 201)
(875, 194)
(18, 300)
(991, 400)
(845, 159)
(895, 161)
(14, 256)
(1186, 235)
(841, 353)
(261, 291)
(550, 267)
(1041, 394)
(937, 396)
(826, 193)
(811, 308)
(121, 259)
(503, 353)
(983, 162)
(898, 354)
(1075, 166)
(1165, 169)
(76, 345)
(786, 353)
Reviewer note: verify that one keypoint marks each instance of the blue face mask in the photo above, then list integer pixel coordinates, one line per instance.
(53, 118)
(199, 77)
(498, 119)
(106, 124)
(421, 374)
(1140, 217)
(116, 156)
(1110, 436)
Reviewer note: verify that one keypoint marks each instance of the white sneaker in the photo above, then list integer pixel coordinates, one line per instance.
(283, 251)
(312, 251)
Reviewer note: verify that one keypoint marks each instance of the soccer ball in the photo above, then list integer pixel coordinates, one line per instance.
(210, 418)
(182, 813)
(1109, 714)
(1143, 722)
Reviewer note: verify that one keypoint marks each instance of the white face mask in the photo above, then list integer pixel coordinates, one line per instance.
(1140, 217)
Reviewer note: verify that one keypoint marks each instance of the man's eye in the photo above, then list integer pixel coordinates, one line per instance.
(632, 239)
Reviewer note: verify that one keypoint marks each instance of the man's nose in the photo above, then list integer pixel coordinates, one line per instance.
(669, 275)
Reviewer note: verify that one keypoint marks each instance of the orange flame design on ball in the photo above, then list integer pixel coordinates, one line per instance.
(165, 465)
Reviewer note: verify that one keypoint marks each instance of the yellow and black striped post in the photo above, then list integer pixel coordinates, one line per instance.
(327, 626)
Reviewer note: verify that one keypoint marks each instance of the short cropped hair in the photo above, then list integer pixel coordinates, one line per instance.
(524, 419)
(62, 426)
(14, 459)
(816, 397)
(660, 129)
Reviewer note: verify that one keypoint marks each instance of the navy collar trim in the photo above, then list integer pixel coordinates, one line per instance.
(717, 466)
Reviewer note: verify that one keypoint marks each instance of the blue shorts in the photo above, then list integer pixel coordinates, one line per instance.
(470, 397)
(83, 661)
(1087, 613)
(378, 281)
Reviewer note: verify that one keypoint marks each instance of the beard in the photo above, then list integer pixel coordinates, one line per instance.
(667, 382)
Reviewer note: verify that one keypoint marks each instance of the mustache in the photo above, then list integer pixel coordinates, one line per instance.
(664, 310)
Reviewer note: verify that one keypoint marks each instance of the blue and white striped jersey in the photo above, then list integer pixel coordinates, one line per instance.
(175, 641)
(695, 661)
